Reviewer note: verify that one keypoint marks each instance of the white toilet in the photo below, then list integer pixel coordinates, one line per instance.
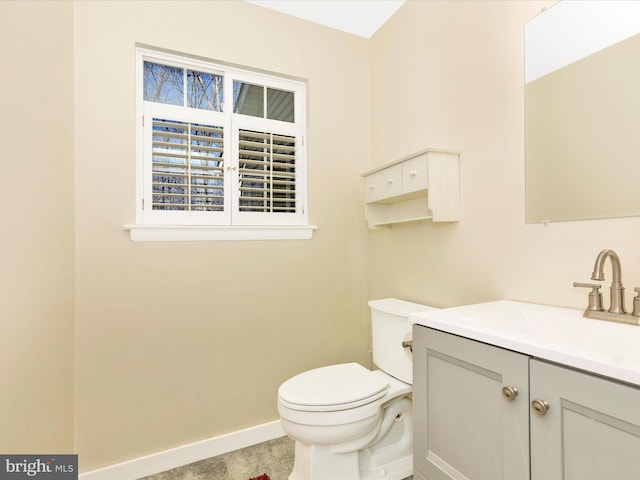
(351, 423)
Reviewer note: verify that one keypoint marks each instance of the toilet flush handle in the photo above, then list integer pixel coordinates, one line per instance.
(408, 344)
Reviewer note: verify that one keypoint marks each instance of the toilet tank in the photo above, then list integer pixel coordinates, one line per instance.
(390, 326)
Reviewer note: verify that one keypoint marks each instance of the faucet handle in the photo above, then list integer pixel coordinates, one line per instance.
(636, 303)
(595, 297)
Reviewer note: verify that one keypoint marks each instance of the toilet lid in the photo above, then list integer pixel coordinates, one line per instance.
(334, 387)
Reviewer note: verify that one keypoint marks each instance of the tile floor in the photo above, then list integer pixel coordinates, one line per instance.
(275, 458)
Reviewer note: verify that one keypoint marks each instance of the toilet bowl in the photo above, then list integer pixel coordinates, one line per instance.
(351, 423)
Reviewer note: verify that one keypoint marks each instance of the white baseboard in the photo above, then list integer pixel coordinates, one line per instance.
(183, 455)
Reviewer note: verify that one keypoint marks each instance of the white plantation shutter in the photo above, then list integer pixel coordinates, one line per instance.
(268, 181)
(185, 174)
(187, 166)
(267, 172)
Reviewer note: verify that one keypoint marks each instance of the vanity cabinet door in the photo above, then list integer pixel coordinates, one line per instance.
(591, 429)
(465, 426)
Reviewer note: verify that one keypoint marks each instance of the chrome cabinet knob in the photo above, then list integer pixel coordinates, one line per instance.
(539, 407)
(510, 393)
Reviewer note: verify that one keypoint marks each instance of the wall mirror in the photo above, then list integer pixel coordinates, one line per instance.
(582, 111)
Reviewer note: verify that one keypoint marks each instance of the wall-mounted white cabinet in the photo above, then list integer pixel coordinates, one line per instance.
(418, 187)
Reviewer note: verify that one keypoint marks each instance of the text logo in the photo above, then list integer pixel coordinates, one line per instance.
(40, 467)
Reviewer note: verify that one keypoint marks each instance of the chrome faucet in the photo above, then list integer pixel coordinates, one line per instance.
(616, 312)
(617, 289)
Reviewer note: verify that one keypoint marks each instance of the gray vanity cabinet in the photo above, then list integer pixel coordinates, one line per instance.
(591, 429)
(465, 426)
(562, 424)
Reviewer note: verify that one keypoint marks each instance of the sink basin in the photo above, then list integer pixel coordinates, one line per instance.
(556, 334)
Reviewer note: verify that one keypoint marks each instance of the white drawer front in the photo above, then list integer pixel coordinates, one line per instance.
(372, 187)
(383, 184)
(414, 174)
(391, 181)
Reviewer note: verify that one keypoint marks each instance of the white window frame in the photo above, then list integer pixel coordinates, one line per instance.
(230, 224)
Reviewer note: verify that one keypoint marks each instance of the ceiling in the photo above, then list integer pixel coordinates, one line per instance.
(359, 17)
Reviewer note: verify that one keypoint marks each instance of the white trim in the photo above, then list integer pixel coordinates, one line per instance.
(180, 233)
(176, 457)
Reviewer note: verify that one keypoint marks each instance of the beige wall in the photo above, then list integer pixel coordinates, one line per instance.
(451, 75)
(177, 342)
(36, 239)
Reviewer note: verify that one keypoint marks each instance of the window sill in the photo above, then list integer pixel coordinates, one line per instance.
(186, 233)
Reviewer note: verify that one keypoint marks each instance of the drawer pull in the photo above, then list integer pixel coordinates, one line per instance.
(413, 173)
(389, 180)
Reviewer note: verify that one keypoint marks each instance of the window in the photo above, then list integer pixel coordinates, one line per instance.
(218, 147)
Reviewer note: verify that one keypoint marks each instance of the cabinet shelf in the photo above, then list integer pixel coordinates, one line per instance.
(422, 186)
(382, 223)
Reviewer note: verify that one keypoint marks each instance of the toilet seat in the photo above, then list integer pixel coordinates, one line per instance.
(333, 388)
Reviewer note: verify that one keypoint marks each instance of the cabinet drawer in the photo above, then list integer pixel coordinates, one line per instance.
(383, 184)
(372, 185)
(414, 174)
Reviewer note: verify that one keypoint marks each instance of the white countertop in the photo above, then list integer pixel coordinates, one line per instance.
(560, 335)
